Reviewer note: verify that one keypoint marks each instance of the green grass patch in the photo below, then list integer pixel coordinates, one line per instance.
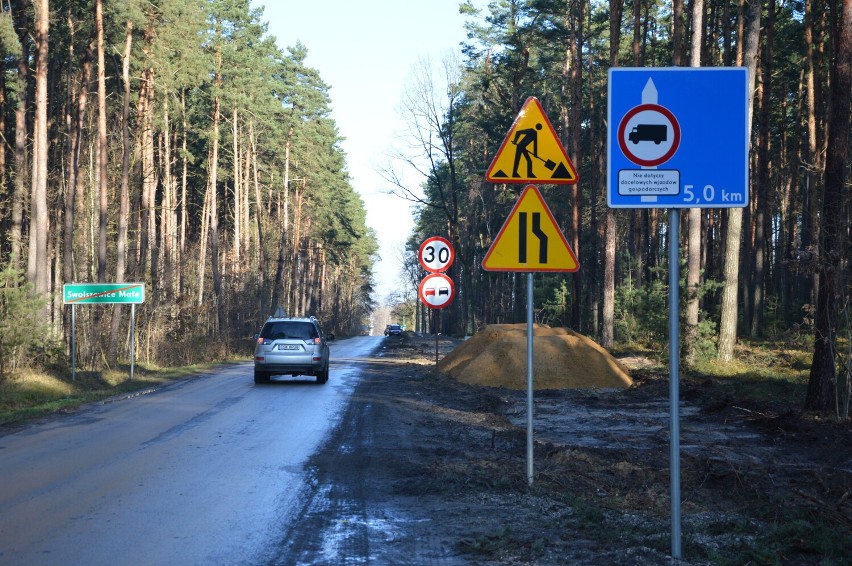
(795, 536)
(762, 374)
(584, 515)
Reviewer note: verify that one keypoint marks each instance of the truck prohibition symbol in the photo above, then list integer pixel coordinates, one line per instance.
(649, 132)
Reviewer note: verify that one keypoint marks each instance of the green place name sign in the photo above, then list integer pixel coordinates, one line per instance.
(103, 293)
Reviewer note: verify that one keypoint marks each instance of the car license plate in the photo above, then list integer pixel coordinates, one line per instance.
(288, 347)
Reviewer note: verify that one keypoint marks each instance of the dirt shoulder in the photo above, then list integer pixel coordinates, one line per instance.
(426, 470)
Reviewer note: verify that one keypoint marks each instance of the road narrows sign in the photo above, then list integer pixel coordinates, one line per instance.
(530, 240)
(531, 151)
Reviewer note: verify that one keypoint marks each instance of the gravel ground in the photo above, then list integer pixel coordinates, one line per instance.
(426, 470)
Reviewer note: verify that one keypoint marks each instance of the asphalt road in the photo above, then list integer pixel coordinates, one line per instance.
(206, 471)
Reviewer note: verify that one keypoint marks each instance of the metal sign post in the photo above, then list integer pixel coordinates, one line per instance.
(530, 379)
(437, 327)
(700, 133)
(73, 343)
(530, 241)
(674, 377)
(132, 337)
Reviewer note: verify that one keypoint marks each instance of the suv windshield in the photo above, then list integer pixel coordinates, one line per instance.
(289, 329)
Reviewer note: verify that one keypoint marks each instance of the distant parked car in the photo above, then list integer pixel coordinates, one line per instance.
(291, 346)
(393, 330)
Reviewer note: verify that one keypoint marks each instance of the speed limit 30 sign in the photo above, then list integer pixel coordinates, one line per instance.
(436, 254)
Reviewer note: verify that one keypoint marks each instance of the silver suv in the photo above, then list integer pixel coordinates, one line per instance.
(292, 346)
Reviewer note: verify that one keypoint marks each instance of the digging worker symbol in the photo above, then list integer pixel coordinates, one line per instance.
(533, 139)
(522, 140)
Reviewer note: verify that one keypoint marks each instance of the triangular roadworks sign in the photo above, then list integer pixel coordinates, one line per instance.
(531, 152)
(530, 240)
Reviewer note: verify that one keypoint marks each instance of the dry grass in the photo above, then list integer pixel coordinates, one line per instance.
(29, 394)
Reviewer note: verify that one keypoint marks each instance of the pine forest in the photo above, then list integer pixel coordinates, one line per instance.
(171, 142)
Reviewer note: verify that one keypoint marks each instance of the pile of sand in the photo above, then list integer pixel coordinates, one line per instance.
(562, 359)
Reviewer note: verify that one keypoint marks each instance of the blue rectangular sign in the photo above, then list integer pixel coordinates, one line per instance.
(678, 137)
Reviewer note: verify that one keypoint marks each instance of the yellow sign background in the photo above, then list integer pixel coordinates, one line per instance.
(531, 151)
(504, 254)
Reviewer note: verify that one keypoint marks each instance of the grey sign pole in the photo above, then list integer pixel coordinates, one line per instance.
(674, 378)
(73, 342)
(437, 329)
(132, 338)
(530, 379)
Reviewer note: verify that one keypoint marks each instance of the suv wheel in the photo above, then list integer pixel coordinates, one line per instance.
(261, 377)
(322, 376)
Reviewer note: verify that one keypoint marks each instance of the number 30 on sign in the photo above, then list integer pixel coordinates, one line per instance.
(436, 254)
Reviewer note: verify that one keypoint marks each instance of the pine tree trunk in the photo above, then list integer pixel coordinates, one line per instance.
(761, 216)
(608, 315)
(124, 193)
(143, 120)
(262, 253)
(149, 183)
(238, 189)
(636, 53)
(38, 260)
(608, 336)
(214, 213)
(834, 278)
(575, 64)
(693, 268)
(294, 282)
(598, 177)
(183, 205)
(812, 206)
(167, 205)
(202, 247)
(279, 289)
(728, 322)
(101, 153)
(20, 161)
(75, 141)
(248, 157)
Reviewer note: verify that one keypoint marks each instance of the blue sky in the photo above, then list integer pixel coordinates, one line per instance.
(367, 50)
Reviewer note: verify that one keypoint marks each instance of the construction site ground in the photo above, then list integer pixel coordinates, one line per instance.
(436, 470)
